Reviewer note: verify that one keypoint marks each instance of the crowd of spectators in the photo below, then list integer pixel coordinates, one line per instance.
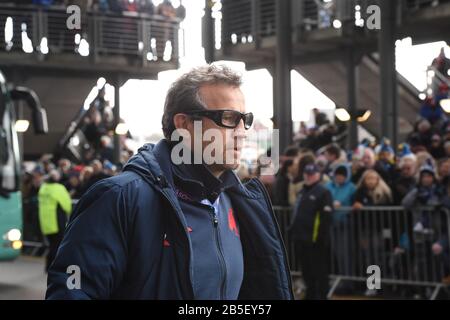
(413, 175)
(164, 8)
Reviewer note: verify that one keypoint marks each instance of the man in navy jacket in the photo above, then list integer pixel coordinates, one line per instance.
(164, 229)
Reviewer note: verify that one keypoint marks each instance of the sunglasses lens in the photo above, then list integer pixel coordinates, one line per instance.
(231, 118)
(248, 120)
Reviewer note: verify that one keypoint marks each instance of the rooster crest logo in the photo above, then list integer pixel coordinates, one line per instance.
(232, 223)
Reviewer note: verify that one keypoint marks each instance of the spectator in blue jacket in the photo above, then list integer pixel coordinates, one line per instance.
(342, 191)
(170, 228)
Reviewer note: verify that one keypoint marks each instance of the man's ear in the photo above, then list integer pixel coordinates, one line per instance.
(181, 121)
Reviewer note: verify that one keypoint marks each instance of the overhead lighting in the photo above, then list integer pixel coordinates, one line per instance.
(445, 104)
(101, 83)
(77, 39)
(342, 114)
(22, 125)
(364, 116)
(9, 33)
(337, 24)
(90, 98)
(43, 47)
(422, 96)
(75, 141)
(121, 129)
(234, 38)
(27, 45)
(83, 49)
(167, 51)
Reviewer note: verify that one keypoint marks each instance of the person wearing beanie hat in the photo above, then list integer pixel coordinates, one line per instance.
(343, 192)
(386, 161)
(403, 149)
(428, 193)
(341, 188)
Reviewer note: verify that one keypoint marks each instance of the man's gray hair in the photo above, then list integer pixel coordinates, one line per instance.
(183, 94)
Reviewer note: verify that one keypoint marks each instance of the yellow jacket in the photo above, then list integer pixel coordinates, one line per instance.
(50, 196)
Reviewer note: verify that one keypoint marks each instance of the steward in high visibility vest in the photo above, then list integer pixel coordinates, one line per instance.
(55, 206)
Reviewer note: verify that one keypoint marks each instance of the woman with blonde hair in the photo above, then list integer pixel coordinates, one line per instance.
(372, 191)
(369, 229)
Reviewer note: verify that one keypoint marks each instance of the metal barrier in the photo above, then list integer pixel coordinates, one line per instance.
(403, 243)
(150, 37)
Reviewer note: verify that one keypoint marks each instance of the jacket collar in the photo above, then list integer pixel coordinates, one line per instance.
(200, 183)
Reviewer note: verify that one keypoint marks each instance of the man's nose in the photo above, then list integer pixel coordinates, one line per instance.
(240, 132)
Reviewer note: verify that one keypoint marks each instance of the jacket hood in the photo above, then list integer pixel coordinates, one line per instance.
(152, 161)
(347, 169)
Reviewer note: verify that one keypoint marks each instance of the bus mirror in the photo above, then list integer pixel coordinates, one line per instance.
(3, 147)
(39, 115)
(40, 121)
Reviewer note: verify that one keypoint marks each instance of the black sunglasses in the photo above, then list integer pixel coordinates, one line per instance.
(224, 118)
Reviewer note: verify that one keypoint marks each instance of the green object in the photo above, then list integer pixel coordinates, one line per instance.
(50, 196)
(10, 218)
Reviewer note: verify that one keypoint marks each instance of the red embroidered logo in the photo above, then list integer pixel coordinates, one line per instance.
(165, 242)
(232, 223)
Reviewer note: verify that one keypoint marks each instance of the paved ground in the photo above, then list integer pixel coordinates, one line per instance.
(22, 279)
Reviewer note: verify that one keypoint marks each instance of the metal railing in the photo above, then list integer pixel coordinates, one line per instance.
(401, 242)
(149, 37)
(419, 4)
(249, 21)
(257, 18)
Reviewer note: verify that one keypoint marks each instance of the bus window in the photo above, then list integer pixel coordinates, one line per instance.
(8, 153)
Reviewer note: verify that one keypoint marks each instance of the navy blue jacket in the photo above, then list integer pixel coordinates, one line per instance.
(116, 237)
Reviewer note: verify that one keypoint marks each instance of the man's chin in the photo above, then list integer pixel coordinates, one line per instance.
(225, 166)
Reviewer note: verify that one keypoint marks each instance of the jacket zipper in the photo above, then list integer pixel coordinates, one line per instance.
(277, 227)
(221, 257)
(187, 236)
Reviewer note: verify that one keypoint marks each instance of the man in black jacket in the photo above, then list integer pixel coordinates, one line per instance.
(310, 229)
